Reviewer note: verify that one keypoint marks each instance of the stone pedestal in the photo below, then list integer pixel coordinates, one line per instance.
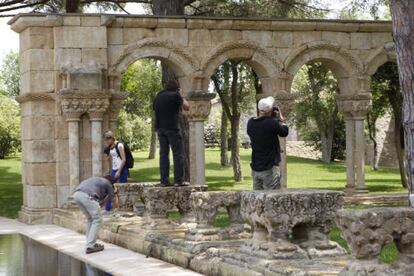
(200, 106)
(96, 119)
(160, 200)
(291, 223)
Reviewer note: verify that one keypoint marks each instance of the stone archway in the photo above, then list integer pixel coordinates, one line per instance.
(354, 100)
(266, 65)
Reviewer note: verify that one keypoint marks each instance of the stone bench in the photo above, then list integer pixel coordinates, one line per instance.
(291, 223)
(206, 206)
(159, 200)
(131, 195)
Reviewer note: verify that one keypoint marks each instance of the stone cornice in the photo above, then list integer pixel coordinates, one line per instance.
(84, 94)
(22, 21)
(30, 97)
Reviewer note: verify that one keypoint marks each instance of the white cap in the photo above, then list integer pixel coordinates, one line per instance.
(266, 104)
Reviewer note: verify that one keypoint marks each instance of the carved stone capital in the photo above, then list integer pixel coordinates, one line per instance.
(200, 105)
(286, 102)
(355, 106)
(96, 115)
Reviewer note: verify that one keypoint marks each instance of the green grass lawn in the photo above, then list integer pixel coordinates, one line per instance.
(11, 191)
(302, 173)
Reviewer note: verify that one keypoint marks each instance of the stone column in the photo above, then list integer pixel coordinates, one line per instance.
(96, 119)
(200, 106)
(116, 102)
(350, 163)
(73, 120)
(355, 108)
(285, 101)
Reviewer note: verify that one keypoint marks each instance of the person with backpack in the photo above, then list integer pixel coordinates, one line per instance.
(167, 106)
(120, 158)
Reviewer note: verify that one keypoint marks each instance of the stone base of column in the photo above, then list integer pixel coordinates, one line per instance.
(35, 216)
(349, 191)
(361, 190)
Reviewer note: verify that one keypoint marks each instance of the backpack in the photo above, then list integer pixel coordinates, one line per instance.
(128, 155)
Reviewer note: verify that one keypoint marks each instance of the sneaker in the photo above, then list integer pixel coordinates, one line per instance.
(165, 185)
(180, 184)
(95, 248)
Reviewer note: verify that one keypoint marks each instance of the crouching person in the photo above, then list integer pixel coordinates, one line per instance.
(90, 195)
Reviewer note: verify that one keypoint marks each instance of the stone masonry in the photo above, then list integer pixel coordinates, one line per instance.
(72, 66)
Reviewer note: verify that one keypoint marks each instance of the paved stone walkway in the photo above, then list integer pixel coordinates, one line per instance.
(114, 259)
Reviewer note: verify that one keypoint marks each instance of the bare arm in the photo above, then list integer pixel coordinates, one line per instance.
(186, 105)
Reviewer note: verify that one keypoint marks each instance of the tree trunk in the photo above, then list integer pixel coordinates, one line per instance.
(372, 133)
(153, 142)
(224, 156)
(72, 6)
(399, 148)
(175, 7)
(235, 124)
(326, 141)
(235, 149)
(403, 25)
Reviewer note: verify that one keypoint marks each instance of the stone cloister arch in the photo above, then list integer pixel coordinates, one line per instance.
(71, 66)
(354, 100)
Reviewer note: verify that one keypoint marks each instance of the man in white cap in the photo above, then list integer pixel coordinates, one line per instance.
(263, 131)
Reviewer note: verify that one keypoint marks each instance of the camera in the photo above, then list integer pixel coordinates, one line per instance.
(276, 112)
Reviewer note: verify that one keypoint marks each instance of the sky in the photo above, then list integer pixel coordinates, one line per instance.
(10, 39)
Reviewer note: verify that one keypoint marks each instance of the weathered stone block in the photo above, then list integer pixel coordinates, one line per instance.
(376, 228)
(38, 127)
(98, 56)
(61, 128)
(340, 38)
(39, 173)
(160, 200)
(380, 39)
(115, 36)
(361, 41)
(206, 205)
(282, 39)
(263, 38)
(199, 38)
(171, 23)
(38, 151)
(131, 195)
(300, 38)
(114, 53)
(218, 36)
(71, 20)
(41, 196)
(36, 38)
(62, 194)
(66, 56)
(80, 37)
(132, 35)
(178, 36)
(36, 59)
(90, 21)
(62, 173)
(62, 150)
(39, 108)
(37, 82)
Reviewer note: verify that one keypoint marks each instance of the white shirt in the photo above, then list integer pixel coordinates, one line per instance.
(116, 159)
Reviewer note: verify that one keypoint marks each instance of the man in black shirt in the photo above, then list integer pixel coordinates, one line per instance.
(263, 132)
(167, 106)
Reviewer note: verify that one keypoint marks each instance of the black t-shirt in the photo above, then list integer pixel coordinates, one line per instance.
(263, 133)
(167, 107)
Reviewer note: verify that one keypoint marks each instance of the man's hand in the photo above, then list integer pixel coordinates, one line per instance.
(282, 119)
(186, 105)
(117, 175)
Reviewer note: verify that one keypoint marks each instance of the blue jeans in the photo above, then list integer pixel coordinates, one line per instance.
(123, 178)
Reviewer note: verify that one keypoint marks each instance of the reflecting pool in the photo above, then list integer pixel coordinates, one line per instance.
(21, 256)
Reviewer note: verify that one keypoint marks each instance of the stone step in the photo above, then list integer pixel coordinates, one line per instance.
(377, 199)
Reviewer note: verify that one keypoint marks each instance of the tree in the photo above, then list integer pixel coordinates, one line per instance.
(403, 25)
(316, 87)
(10, 75)
(233, 82)
(142, 81)
(387, 97)
(380, 107)
(9, 126)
